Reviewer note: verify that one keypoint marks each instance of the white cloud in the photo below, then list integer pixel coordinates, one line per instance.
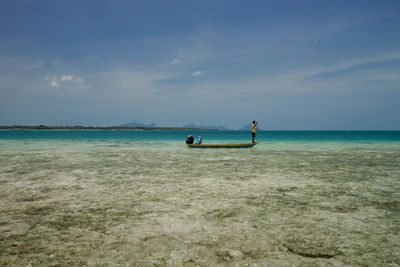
(357, 72)
(309, 79)
(58, 81)
(131, 85)
(69, 82)
(197, 73)
(37, 66)
(66, 77)
(348, 64)
(54, 84)
(175, 61)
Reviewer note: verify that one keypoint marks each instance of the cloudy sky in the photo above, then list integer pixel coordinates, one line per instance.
(289, 64)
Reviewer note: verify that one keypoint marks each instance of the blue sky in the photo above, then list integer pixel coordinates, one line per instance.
(289, 64)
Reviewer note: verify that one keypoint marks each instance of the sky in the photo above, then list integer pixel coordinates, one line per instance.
(291, 65)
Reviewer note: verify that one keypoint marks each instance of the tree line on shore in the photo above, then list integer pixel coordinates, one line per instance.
(104, 128)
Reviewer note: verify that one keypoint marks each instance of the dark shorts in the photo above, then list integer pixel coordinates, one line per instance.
(253, 134)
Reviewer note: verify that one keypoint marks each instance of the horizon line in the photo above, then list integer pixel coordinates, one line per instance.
(227, 129)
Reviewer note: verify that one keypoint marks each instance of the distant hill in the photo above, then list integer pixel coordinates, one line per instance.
(138, 124)
(220, 128)
(96, 128)
(247, 127)
(192, 126)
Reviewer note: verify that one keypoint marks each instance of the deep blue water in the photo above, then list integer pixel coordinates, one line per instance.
(210, 136)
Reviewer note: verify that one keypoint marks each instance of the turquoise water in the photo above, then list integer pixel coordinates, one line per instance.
(142, 198)
(211, 136)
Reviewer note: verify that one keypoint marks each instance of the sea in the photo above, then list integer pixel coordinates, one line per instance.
(143, 198)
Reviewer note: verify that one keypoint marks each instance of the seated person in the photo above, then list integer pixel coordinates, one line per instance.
(199, 141)
(190, 139)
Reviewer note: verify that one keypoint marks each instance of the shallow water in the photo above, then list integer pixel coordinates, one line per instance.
(155, 203)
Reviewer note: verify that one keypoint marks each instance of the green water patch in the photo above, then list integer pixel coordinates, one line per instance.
(31, 198)
(41, 210)
(66, 221)
(220, 214)
(311, 248)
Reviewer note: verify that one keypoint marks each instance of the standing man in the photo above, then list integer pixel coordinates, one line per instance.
(253, 129)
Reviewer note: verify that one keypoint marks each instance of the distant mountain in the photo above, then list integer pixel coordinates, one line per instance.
(152, 125)
(247, 127)
(138, 124)
(220, 128)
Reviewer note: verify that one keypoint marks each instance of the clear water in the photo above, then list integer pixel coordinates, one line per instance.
(143, 198)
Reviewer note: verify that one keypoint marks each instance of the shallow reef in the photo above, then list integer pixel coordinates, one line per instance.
(110, 203)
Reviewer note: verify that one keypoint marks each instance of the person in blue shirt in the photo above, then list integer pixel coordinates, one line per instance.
(199, 141)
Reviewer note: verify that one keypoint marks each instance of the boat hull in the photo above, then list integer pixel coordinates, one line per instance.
(246, 145)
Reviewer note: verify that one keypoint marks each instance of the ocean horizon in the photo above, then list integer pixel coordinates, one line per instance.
(325, 198)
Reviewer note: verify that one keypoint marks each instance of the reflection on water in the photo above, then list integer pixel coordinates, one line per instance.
(160, 203)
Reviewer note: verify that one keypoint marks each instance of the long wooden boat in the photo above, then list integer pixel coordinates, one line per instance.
(246, 145)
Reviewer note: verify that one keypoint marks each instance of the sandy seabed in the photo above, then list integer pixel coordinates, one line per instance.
(129, 203)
